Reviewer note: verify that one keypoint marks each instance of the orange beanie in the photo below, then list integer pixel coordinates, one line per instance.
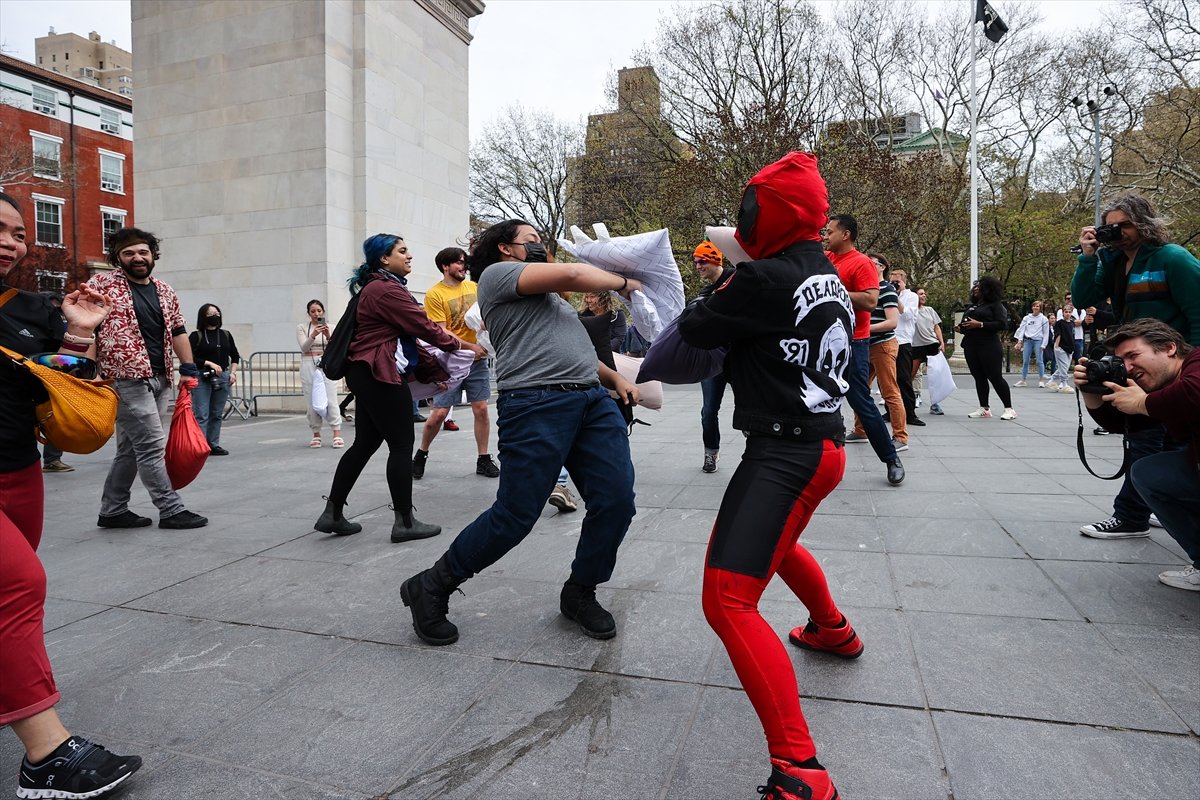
(707, 251)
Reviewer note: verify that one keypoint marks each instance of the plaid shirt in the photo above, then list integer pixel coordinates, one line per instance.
(121, 352)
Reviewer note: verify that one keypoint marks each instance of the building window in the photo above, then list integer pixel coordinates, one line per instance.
(45, 101)
(66, 56)
(46, 156)
(48, 281)
(112, 172)
(48, 213)
(110, 120)
(112, 220)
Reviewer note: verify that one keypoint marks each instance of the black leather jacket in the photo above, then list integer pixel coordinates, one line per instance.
(787, 322)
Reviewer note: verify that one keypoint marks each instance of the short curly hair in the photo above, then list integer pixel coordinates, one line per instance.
(118, 240)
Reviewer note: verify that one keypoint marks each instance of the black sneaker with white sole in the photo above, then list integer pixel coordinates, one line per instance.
(78, 769)
(1115, 528)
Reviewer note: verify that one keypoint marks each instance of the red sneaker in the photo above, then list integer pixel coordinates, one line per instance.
(450, 425)
(789, 782)
(842, 641)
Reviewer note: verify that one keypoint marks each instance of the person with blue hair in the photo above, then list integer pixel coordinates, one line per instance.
(382, 359)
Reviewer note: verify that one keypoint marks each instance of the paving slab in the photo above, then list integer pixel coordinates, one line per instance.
(258, 658)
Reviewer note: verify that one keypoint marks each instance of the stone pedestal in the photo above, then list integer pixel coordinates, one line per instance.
(271, 138)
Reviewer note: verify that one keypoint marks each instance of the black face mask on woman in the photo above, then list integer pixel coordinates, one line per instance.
(535, 253)
(213, 321)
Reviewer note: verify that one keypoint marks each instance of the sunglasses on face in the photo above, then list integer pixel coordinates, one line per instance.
(75, 366)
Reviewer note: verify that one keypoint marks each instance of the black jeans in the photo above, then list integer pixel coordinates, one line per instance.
(985, 360)
(1128, 505)
(904, 364)
(384, 415)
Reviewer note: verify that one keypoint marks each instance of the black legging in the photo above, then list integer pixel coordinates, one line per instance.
(384, 414)
(985, 359)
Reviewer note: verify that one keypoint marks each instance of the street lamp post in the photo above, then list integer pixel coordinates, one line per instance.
(1093, 108)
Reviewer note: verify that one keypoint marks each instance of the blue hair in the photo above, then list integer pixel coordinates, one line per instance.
(374, 249)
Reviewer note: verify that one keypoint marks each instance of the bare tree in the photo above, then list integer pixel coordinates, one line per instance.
(519, 169)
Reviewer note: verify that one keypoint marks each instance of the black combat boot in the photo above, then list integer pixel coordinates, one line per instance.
(427, 595)
(407, 527)
(578, 603)
(332, 521)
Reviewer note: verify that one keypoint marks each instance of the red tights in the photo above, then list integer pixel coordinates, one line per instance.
(768, 503)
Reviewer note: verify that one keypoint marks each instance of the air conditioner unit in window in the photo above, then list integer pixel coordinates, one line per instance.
(110, 127)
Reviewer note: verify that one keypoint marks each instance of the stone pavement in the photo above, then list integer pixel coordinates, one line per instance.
(1006, 655)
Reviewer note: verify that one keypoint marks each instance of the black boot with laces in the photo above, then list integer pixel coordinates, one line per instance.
(578, 603)
(427, 596)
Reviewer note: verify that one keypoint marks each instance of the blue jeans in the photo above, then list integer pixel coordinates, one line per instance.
(1170, 484)
(1128, 505)
(859, 398)
(713, 391)
(1032, 349)
(538, 430)
(208, 404)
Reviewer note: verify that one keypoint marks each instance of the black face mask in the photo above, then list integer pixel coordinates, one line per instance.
(213, 322)
(535, 253)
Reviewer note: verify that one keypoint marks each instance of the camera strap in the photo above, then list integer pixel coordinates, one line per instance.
(1083, 457)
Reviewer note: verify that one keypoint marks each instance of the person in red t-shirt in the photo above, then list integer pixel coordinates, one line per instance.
(861, 278)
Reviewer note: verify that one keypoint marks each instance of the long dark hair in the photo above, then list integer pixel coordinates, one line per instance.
(486, 250)
(201, 322)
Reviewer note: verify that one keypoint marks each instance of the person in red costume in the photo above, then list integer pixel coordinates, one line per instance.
(787, 322)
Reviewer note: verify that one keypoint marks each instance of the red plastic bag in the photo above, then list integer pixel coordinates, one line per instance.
(187, 446)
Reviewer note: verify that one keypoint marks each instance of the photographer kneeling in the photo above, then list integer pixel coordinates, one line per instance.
(1163, 385)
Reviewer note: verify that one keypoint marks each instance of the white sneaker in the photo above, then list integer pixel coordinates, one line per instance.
(1064, 389)
(1008, 414)
(1020, 384)
(1154, 523)
(980, 412)
(900, 446)
(1051, 385)
(1187, 579)
(918, 401)
(1041, 384)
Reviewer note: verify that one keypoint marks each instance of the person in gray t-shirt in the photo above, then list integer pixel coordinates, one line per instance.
(552, 411)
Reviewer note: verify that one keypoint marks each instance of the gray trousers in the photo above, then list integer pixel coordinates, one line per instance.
(141, 448)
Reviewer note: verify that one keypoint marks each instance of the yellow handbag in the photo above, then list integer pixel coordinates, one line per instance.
(77, 416)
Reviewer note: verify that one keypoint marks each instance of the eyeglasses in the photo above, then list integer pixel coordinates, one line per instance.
(76, 366)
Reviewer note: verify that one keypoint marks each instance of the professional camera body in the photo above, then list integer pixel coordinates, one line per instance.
(1106, 234)
(211, 376)
(1101, 370)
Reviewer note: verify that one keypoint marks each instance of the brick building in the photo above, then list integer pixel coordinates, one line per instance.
(66, 154)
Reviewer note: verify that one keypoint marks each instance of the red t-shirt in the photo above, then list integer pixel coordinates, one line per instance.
(858, 274)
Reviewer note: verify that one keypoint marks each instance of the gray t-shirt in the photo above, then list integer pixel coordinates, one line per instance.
(927, 320)
(538, 338)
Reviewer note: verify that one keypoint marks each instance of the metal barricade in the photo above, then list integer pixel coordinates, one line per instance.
(270, 374)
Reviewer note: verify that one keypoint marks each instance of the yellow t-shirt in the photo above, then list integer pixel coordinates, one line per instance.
(449, 306)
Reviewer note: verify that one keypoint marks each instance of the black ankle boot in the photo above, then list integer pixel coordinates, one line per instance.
(427, 595)
(578, 603)
(407, 527)
(332, 521)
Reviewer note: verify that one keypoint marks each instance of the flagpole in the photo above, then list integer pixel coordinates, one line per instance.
(974, 160)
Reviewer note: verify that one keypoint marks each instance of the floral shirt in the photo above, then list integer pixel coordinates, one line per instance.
(120, 350)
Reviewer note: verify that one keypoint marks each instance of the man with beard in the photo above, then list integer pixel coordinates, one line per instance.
(447, 303)
(134, 347)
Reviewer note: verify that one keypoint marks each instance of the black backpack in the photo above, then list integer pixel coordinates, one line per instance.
(337, 349)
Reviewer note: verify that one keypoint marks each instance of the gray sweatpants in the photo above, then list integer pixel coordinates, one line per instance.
(141, 448)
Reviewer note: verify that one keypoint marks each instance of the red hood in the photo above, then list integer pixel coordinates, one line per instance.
(785, 203)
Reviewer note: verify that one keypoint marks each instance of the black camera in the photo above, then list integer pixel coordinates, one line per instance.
(1106, 234)
(211, 376)
(1102, 370)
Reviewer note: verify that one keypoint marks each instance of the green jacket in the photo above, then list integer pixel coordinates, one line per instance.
(1163, 284)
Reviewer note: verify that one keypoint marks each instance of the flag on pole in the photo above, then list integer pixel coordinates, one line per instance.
(993, 27)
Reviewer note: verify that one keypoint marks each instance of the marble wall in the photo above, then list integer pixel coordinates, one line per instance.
(273, 136)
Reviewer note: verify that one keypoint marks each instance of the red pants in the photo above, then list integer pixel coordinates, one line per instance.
(769, 501)
(26, 682)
